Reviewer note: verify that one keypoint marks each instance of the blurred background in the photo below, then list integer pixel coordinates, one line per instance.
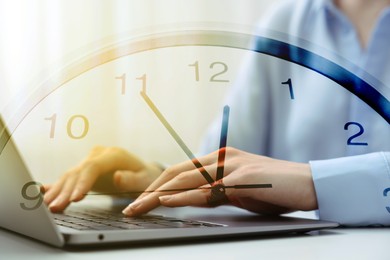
(40, 38)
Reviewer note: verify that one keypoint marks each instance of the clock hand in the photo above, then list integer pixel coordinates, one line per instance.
(177, 138)
(240, 186)
(218, 189)
(222, 143)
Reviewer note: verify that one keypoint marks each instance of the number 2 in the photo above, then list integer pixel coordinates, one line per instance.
(215, 77)
(359, 133)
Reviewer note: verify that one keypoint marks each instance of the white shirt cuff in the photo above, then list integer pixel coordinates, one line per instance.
(352, 190)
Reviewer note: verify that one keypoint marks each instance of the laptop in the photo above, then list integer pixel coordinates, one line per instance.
(22, 211)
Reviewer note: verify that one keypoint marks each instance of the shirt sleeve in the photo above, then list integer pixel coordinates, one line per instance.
(355, 190)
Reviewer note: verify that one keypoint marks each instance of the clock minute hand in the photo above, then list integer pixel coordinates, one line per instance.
(177, 138)
(218, 190)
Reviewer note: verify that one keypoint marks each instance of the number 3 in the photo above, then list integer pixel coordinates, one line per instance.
(385, 195)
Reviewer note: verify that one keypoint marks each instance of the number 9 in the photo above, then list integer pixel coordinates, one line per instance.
(38, 197)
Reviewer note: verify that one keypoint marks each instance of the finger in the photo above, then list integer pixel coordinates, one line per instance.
(63, 198)
(197, 197)
(188, 198)
(85, 181)
(113, 158)
(186, 166)
(186, 180)
(46, 187)
(165, 177)
(124, 180)
(178, 169)
(201, 196)
(134, 181)
(240, 181)
(54, 190)
(190, 164)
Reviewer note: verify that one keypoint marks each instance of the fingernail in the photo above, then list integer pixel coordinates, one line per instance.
(54, 205)
(75, 195)
(131, 208)
(54, 202)
(118, 178)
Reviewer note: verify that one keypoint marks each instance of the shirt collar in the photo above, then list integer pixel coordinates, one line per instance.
(330, 6)
(331, 11)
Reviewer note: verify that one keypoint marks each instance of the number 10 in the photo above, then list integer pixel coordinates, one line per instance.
(69, 130)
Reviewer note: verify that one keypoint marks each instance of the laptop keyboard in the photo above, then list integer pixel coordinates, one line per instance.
(99, 219)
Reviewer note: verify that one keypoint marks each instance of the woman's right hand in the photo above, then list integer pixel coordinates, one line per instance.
(106, 169)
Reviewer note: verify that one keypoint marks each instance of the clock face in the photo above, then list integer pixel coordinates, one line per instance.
(95, 99)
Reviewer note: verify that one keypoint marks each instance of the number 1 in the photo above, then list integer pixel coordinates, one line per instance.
(196, 65)
(53, 120)
(290, 87)
(143, 79)
(123, 84)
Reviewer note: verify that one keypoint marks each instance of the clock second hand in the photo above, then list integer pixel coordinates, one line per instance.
(239, 186)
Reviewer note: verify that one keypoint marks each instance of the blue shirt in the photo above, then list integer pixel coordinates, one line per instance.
(346, 143)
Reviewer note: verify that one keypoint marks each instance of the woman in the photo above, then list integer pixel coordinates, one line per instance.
(310, 173)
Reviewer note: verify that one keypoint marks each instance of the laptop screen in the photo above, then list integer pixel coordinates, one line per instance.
(21, 206)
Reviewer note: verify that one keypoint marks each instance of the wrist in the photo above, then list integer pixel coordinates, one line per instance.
(309, 197)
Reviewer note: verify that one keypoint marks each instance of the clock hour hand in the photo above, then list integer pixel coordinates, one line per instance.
(177, 138)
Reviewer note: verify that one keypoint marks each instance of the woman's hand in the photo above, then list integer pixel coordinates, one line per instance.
(106, 169)
(292, 185)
